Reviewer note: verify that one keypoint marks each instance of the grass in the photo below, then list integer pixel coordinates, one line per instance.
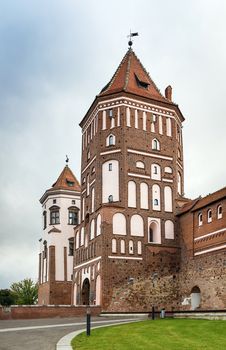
(167, 334)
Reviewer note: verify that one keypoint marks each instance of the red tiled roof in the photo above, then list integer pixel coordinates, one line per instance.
(129, 77)
(200, 202)
(211, 198)
(66, 181)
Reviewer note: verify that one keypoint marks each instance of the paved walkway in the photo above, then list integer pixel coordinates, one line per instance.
(43, 334)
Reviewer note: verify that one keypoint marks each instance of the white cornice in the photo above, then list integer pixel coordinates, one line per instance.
(211, 249)
(139, 175)
(110, 152)
(153, 155)
(124, 257)
(87, 262)
(209, 234)
(92, 160)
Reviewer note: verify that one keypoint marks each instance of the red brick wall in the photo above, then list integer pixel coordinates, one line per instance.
(37, 311)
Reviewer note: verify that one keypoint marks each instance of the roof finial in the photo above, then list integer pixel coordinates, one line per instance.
(67, 160)
(130, 43)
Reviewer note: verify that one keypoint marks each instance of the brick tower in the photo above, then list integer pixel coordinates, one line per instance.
(60, 211)
(127, 245)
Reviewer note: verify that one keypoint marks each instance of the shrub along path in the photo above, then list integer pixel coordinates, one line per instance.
(167, 334)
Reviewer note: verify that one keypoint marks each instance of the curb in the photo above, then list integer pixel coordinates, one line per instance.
(65, 342)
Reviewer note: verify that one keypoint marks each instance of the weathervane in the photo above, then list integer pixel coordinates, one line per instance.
(130, 38)
(67, 159)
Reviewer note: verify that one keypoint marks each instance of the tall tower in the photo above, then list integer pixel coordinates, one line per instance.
(127, 254)
(60, 212)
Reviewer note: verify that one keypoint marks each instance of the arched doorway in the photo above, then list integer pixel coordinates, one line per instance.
(154, 233)
(85, 292)
(195, 297)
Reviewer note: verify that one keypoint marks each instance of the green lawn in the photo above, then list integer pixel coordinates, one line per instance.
(172, 334)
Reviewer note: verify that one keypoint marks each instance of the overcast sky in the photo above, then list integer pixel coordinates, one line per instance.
(55, 57)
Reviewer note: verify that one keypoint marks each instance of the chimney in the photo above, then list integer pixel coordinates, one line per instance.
(168, 93)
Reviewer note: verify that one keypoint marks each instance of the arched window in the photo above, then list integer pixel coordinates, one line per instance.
(122, 246)
(73, 216)
(154, 234)
(168, 199)
(54, 215)
(169, 229)
(209, 215)
(140, 165)
(143, 195)
(137, 226)
(110, 198)
(156, 197)
(155, 145)
(110, 141)
(92, 229)
(155, 172)
(168, 170)
(98, 224)
(200, 219)
(131, 194)
(219, 212)
(139, 248)
(130, 247)
(113, 245)
(119, 224)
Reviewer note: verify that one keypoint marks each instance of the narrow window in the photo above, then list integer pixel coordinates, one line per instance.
(150, 234)
(156, 202)
(110, 113)
(72, 217)
(71, 247)
(110, 198)
(111, 140)
(155, 145)
(130, 247)
(110, 166)
(44, 220)
(54, 216)
(209, 215)
(219, 212)
(200, 219)
(155, 170)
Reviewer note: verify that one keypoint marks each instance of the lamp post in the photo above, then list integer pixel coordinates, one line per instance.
(154, 278)
(88, 321)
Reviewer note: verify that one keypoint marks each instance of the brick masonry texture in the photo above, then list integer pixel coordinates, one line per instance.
(165, 274)
(38, 311)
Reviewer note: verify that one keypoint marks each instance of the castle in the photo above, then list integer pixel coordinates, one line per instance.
(127, 238)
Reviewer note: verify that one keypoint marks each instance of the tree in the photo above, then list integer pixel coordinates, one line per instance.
(6, 297)
(25, 292)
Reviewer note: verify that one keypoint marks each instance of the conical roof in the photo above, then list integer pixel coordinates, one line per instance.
(66, 181)
(132, 77)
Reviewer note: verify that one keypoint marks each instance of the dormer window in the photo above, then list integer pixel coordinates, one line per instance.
(141, 83)
(70, 183)
(209, 215)
(155, 145)
(200, 219)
